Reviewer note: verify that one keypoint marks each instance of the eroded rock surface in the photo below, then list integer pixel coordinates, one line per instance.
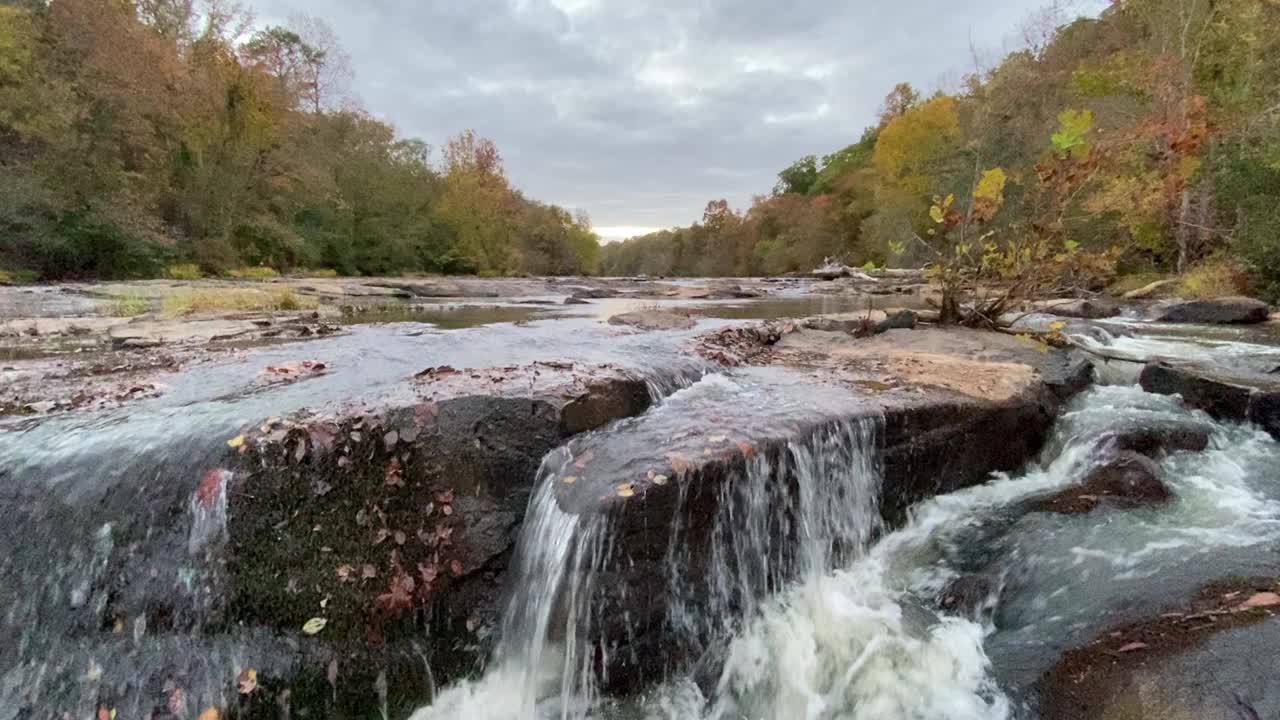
(1126, 480)
(1217, 311)
(1226, 395)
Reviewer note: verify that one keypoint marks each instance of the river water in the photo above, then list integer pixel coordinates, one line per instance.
(858, 635)
(840, 623)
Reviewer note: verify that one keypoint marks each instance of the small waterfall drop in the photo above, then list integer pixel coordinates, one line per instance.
(792, 512)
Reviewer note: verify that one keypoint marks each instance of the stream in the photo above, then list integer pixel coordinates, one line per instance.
(809, 606)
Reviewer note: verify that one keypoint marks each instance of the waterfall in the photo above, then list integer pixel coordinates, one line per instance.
(791, 513)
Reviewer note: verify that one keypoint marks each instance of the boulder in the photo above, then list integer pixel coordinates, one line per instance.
(1197, 659)
(1154, 442)
(1127, 480)
(972, 596)
(899, 320)
(382, 517)
(654, 320)
(1240, 396)
(1216, 311)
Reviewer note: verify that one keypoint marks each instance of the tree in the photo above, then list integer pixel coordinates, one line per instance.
(898, 102)
(799, 178)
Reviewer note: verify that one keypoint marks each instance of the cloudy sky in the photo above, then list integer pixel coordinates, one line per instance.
(640, 111)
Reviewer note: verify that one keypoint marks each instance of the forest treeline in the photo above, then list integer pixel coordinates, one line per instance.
(1144, 139)
(140, 136)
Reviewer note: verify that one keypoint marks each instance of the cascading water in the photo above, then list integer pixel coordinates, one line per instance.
(797, 617)
(789, 514)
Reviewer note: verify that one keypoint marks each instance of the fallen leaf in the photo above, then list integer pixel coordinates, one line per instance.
(446, 509)
(584, 458)
(368, 572)
(659, 479)
(748, 450)
(381, 536)
(210, 487)
(455, 567)
(625, 490)
(314, 625)
(570, 479)
(248, 680)
(210, 714)
(1261, 600)
(177, 701)
(399, 537)
(445, 497)
(1133, 646)
(105, 713)
(332, 673)
(236, 441)
(718, 439)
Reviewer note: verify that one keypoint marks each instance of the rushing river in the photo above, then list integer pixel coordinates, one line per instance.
(857, 635)
(808, 608)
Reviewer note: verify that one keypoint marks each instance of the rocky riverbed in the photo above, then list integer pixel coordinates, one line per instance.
(590, 496)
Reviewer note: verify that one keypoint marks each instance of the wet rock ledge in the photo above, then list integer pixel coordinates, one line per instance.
(396, 526)
(946, 409)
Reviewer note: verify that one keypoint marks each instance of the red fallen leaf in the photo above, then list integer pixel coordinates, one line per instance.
(105, 713)
(429, 572)
(445, 497)
(394, 474)
(584, 458)
(748, 450)
(1261, 600)
(210, 487)
(455, 567)
(1133, 646)
(177, 701)
(399, 595)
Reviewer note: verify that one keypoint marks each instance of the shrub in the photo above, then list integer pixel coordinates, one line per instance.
(1214, 278)
(1136, 281)
(191, 302)
(260, 272)
(318, 273)
(130, 306)
(189, 271)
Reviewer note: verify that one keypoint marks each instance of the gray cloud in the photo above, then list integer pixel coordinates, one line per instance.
(640, 112)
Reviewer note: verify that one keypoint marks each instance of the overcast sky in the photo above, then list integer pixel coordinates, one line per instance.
(640, 111)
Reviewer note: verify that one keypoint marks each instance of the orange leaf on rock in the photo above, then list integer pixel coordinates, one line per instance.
(247, 681)
(210, 714)
(1261, 600)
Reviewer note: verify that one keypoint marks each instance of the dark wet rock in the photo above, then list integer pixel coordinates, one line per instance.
(654, 320)
(1085, 308)
(576, 301)
(1198, 659)
(972, 596)
(1154, 442)
(1128, 480)
(1252, 397)
(1217, 311)
(899, 320)
(382, 521)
